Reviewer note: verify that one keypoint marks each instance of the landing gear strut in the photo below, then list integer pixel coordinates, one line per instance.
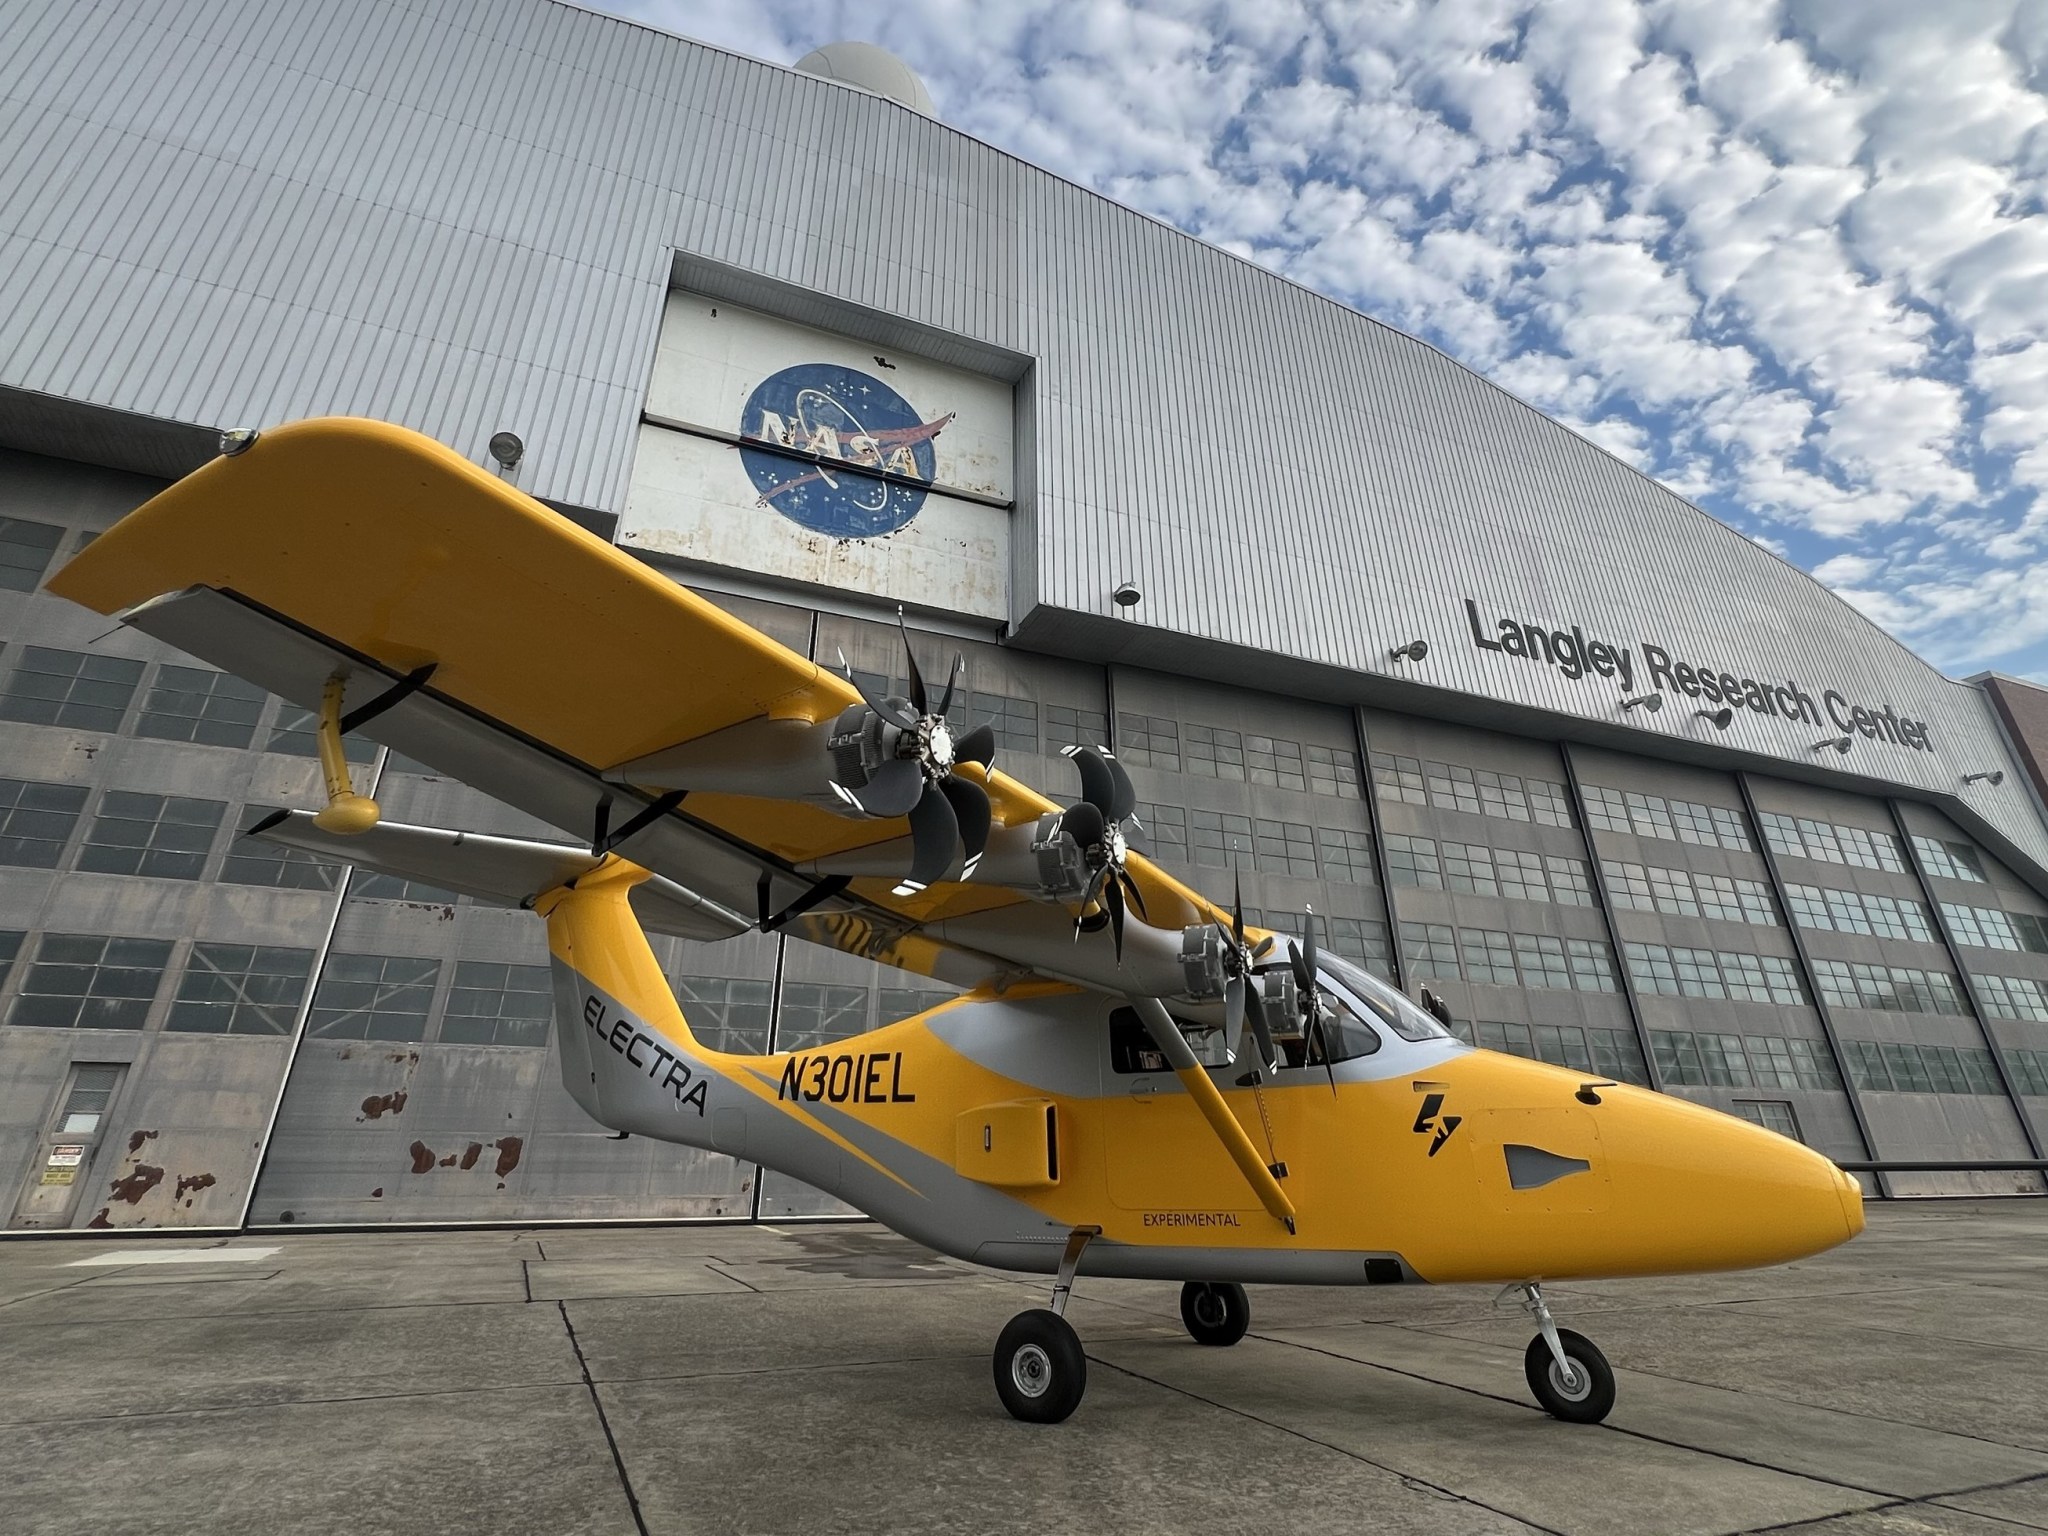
(1214, 1314)
(1566, 1370)
(1040, 1368)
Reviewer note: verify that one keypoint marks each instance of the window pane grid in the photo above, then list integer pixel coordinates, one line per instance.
(90, 981)
(492, 1003)
(164, 836)
(374, 997)
(36, 821)
(240, 989)
(1147, 741)
(196, 704)
(69, 688)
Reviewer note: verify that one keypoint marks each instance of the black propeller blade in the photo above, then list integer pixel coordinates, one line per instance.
(952, 677)
(1098, 788)
(934, 834)
(1241, 1000)
(917, 694)
(975, 815)
(896, 789)
(977, 746)
(1137, 897)
(1311, 995)
(1113, 898)
(889, 709)
(1084, 823)
(1104, 784)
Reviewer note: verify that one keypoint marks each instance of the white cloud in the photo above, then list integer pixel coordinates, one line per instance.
(1789, 255)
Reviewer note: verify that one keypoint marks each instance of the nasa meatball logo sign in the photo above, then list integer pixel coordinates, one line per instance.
(858, 442)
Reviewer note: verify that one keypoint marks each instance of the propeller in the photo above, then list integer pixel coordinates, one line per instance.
(1301, 960)
(1242, 1004)
(910, 754)
(1096, 824)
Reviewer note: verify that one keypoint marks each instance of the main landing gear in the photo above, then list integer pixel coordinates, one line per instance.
(1566, 1370)
(1214, 1314)
(1041, 1370)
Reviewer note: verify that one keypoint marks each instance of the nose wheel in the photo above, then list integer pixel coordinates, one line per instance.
(1214, 1314)
(1565, 1370)
(1041, 1370)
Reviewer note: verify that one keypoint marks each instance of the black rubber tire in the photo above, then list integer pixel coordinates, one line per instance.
(1215, 1313)
(1041, 1370)
(1590, 1403)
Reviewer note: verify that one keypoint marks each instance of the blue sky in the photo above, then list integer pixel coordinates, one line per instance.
(1789, 258)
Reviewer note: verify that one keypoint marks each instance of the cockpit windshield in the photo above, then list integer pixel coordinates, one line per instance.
(1383, 1002)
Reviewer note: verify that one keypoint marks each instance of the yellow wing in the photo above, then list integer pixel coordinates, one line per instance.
(491, 638)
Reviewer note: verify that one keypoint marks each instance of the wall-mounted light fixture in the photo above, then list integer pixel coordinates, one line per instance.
(1414, 650)
(507, 449)
(1127, 595)
(1835, 743)
(1718, 718)
(1650, 701)
(1994, 778)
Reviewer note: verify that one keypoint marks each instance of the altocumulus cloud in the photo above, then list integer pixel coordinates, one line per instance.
(1788, 256)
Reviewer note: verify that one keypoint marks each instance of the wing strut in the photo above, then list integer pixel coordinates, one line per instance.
(1174, 1047)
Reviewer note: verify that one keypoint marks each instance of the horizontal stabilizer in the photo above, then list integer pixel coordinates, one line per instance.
(506, 871)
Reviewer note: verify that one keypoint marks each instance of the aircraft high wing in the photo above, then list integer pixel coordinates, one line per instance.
(474, 630)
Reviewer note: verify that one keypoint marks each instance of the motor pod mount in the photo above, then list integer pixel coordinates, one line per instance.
(896, 756)
(1096, 825)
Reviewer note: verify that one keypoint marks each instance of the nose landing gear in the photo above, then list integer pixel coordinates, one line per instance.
(1566, 1371)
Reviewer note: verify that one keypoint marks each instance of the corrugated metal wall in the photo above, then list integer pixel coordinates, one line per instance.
(461, 216)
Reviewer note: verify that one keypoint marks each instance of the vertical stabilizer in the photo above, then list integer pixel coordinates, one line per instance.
(627, 1053)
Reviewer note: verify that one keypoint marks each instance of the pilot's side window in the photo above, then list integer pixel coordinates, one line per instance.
(1131, 1048)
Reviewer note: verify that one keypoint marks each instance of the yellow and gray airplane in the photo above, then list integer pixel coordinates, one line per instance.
(1132, 1083)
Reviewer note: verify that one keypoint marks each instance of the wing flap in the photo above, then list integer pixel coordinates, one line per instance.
(505, 871)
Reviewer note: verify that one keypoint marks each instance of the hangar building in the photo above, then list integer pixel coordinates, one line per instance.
(1636, 795)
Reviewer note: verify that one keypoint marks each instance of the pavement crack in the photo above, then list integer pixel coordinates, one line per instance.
(603, 1423)
(526, 1280)
(1408, 1479)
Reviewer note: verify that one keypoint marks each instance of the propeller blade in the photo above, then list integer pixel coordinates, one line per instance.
(1113, 898)
(1233, 1007)
(977, 746)
(1131, 890)
(917, 695)
(1255, 1009)
(1237, 908)
(1083, 823)
(952, 677)
(1088, 895)
(1098, 786)
(1304, 978)
(1124, 797)
(934, 837)
(1309, 944)
(883, 706)
(971, 807)
(893, 791)
(1264, 947)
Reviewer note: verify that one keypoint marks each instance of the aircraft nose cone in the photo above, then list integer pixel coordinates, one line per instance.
(1852, 1202)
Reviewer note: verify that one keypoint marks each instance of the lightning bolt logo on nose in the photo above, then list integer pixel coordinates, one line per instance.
(1426, 1121)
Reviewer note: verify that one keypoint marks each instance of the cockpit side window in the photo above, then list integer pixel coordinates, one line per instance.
(1382, 1002)
(1131, 1049)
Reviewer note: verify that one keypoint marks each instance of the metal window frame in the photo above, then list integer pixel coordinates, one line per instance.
(1968, 982)
(1822, 1008)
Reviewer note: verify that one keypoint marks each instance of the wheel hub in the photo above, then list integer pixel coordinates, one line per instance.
(1209, 1309)
(1571, 1382)
(1031, 1370)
